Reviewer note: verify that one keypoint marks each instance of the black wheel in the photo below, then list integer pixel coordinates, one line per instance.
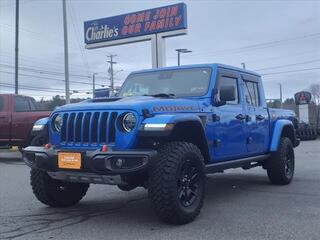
(177, 183)
(127, 188)
(39, 140)
(56, 193)
(280, 166)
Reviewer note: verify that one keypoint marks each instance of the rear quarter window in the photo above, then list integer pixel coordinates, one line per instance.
(21, 104)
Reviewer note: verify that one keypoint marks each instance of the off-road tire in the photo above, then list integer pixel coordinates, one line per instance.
(165, 187)
(127, 188)
(56, 193)
(280, 166)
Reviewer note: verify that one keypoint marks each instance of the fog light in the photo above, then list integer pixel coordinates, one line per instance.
(119, 162)
(104, 148)
(47, 146)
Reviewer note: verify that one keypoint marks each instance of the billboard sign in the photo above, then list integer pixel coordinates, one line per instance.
(135, 24)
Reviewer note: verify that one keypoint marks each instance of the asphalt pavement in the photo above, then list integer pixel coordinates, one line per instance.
(239, 205)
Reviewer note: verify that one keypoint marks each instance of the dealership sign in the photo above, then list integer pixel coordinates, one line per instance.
(302, 97)
(146, 22)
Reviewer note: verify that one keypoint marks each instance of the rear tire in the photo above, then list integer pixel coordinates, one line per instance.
(177, 183)
(56, 193)
(280, 166)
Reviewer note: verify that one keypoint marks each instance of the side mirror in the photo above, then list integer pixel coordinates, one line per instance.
(226, 93)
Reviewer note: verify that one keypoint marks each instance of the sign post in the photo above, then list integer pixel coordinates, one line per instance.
(303, 99)
(153, 25)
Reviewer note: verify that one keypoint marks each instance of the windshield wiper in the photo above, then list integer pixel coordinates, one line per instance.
(168, 95)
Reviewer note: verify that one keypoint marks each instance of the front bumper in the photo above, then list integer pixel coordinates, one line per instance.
(96, 166)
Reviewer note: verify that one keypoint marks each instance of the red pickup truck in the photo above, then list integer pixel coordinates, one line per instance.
(17, 116)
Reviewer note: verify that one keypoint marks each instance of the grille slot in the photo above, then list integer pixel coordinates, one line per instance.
(88, 128)
(78, 129)
(112, 127)
(70, 127)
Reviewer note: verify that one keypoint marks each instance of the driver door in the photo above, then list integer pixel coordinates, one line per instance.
(228, 122)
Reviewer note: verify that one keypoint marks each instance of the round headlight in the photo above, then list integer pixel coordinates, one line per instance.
(129, 121)
(57, 123)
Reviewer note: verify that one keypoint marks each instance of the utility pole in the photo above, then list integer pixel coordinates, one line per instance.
(66, 63)
(94, 83)
(182, 50)
(111, 56)
(280, 85)
(16, 85)
(243, 65)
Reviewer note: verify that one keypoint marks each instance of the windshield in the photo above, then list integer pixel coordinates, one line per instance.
(175, 83)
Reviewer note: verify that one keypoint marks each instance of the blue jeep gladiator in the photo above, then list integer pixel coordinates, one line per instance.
(165, 130)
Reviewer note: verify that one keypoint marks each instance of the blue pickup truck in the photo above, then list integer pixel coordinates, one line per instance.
(165, 130)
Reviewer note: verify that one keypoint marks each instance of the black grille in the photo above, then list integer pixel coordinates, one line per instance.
(88, 128)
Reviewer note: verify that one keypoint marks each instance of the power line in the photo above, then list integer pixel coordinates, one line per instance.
(46, 88)
(257, 46)
(76, 30)
(288, 65)
(40, 71)
(298, 70)
(47, 78)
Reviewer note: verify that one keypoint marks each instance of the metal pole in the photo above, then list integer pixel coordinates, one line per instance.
(111, 72)
(280, 85)
(182, 50)
(66, 63)
(94, 84)
(16, 88)
(111, 67)
(243, 65)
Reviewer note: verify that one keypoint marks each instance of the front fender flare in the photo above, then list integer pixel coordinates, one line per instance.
(167, 119)
(41, 121)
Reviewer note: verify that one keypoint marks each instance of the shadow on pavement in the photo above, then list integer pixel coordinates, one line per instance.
(9, 156)
(121, 208)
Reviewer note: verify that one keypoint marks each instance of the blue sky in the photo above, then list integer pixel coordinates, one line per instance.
(280, 39)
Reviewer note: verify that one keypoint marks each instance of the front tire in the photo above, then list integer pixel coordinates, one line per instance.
(39, 140)
(177, 183)
(280, 167)
(56, 193)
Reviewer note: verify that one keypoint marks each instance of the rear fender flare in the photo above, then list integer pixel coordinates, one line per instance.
(278, 131)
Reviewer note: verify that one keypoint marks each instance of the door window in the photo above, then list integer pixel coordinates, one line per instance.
(21, 104)
(251, 93)
(32, 105)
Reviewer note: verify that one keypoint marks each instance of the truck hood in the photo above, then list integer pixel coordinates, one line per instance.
(153, 104)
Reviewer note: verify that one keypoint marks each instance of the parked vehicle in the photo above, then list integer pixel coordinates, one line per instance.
(17, 116)
(166, 129)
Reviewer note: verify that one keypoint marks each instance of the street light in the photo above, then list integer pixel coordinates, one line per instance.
(182, 50)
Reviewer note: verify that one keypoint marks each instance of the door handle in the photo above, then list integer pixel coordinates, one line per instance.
(241, 117)
(260, 117)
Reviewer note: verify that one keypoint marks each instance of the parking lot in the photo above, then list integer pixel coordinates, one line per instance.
(239, 205)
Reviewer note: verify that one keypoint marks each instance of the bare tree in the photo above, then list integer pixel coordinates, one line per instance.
(315, 92)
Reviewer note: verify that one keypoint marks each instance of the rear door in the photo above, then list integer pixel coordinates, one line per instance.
(228, 125)
(4, 120)
(257, 120)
